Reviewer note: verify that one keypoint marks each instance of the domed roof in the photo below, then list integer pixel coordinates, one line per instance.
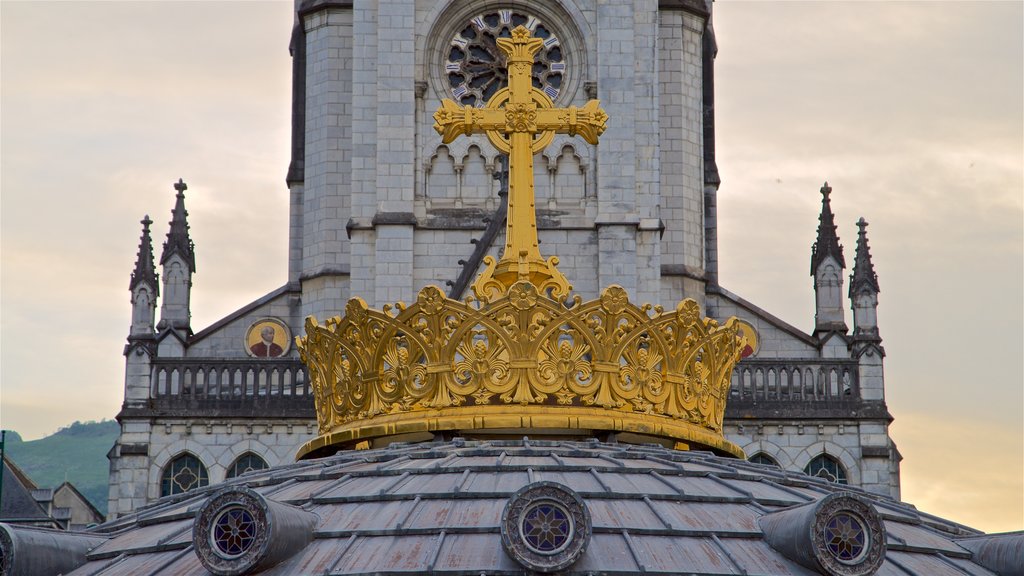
(514, 507)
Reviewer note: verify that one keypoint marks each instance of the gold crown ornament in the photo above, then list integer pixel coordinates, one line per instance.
(520, 356)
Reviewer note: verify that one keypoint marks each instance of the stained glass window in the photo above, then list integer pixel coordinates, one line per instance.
(183, 474)
(827, 467)
(846, 537)
(247, 462)
(546, 527)
(762, 458)
(234, 531)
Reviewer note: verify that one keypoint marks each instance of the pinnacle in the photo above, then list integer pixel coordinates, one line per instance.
(863, 278)
(178, 240)
(145, 271)
(827, 243)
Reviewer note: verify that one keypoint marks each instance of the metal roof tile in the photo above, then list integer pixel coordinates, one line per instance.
(719, 517)
(495, 482)
(360, 516)
(607, 553)
(758, 558)
(919, 538)
(477, 552)
(462, 513)
(387, 554)
(680, 555)
(144, 563)
(628, 514)
(930, 564)
(583, 482)
(427, 484)
(141, 538)
(702, 487)
(633, 483)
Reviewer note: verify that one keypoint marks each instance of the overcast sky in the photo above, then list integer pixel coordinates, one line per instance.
(911, 111)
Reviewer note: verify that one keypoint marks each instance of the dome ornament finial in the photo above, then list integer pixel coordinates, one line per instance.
(518, 357)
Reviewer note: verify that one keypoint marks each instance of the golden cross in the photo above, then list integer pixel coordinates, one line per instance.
(520, 120)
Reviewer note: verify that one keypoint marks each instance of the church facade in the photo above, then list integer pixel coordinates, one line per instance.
(381, 207)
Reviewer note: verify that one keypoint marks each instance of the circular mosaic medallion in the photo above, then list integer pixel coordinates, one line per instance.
(545, 527)
(231, 531)
(848, 535)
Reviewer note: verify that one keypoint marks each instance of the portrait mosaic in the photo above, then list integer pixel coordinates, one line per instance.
(268, 338)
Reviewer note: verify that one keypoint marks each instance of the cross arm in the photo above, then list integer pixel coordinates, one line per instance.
(452, 120)
(588, 122)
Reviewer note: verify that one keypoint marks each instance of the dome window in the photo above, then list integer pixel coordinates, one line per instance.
(240, 531)
(234, 531)
(839, 535)
(845, 537)
(545, 527)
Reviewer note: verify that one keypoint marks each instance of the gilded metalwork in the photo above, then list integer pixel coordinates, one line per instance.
(516, 351)
(521, 354)
(520, 120)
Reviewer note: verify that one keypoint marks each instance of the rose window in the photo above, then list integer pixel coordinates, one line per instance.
(234, 531)
(845, 537)
(475, 66)
(546, 527)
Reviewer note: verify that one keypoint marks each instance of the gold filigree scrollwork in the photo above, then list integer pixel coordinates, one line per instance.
(524, 348)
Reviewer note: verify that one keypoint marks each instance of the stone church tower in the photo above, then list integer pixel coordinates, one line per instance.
(380, 207)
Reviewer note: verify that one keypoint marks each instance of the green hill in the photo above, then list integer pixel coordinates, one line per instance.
(77, 452)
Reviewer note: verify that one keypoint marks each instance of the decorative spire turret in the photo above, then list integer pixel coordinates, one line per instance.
(144, 285)
(827, 243)
(179, 263)
(145, 269)
(863, 278)
(178, 240)
(827, 265)
(864, 289)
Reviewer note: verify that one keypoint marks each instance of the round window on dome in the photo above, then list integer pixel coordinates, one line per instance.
(545, 527)
(233, 532)
(846, 537)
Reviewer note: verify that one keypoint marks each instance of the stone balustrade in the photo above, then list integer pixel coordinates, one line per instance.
(280, 387)
(274, 388)
(795, 381)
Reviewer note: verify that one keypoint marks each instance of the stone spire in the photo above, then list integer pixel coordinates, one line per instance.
(145, 270)
(827, 243)
(863, 278)
(178, 263)
(178, 240)
(144, 286)
(827, 265)
(864, 289)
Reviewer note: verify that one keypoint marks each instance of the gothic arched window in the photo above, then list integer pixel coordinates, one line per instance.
(247, 462)
(183, 474)
(762, 458)
(827, 467)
